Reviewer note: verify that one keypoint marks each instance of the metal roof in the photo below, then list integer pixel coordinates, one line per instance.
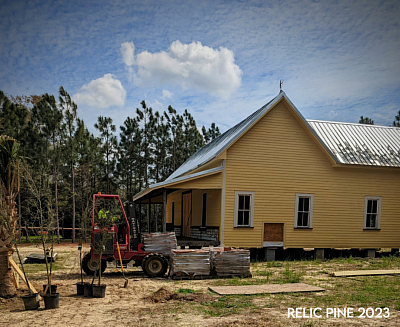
(346, 143)
(360, 144)
(177, 180)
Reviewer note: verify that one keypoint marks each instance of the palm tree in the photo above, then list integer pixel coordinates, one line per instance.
(9, 183)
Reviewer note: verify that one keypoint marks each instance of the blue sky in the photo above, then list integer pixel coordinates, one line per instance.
(221, 60)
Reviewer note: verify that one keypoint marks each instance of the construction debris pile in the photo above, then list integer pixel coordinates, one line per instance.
(230, 262)
(190, 263)
(160, 243)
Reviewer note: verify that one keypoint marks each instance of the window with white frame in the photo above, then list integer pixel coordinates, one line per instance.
(244, 209)
(304, 210)
(372, 212)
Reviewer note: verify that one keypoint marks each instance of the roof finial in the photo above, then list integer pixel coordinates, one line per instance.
(280, 85)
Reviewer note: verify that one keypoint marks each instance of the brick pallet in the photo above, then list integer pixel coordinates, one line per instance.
(227, 262)
(189, 264)
(160, 242)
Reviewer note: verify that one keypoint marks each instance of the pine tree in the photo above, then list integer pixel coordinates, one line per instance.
(109, 144)
(70, 111)
(366, 120)
(130, 158)
(88, 159)
(193, 140)
(146, 121)
(396, 122)
(210, 134)
(48, 118)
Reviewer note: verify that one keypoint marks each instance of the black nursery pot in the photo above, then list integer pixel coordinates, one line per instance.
(31, 301)
(80, 288)
(87, 290)
(99, 290)
(53, 289)
(51, 301)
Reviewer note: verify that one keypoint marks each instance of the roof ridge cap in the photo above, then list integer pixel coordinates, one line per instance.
(347, 123)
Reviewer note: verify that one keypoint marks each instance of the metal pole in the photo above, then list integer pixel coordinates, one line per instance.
(148, 215)
(164, 213)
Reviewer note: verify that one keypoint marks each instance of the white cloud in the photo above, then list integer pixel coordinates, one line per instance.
(332, 114)
(103, 92)
(128, 53)
(192, 66)
(166, 94)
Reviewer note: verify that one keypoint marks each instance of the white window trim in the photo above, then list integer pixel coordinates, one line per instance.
(251, 220)
(378, 218)
(310, 220)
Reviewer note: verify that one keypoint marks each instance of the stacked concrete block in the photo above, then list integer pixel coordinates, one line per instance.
(206, 234)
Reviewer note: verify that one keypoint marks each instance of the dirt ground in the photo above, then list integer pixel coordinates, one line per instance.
(151, 302)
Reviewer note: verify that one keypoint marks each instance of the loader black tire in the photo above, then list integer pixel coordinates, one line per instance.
(89, 265)
(155, 265)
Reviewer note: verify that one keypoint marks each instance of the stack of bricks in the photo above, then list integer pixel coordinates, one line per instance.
(190, 263)
(227, 262)
(160, 242)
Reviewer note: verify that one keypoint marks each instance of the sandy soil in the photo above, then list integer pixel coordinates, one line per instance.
(141, 305)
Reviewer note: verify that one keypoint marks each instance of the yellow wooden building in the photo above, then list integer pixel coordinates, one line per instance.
(279, 180)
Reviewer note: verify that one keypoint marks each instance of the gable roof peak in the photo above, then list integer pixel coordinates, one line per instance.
(222, 142)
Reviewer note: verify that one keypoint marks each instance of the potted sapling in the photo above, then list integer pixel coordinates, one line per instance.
(101, 235)
(42, 211)
(50, 295)
(80, 286)
(31, 301)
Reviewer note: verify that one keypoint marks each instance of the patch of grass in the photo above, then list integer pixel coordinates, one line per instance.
(37, 239)
(187, 291)
(265, 273)
(271, 264)
(289, 275)
(236, 281)
(307, 324)
(228, 305)
(33, 268)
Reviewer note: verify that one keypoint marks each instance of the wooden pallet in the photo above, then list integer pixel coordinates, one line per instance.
(265, 288)
(350, 273)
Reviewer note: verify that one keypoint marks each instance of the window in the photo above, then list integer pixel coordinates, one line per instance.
(372, 212)
(303, 211)
(244, 209)
(204, 211)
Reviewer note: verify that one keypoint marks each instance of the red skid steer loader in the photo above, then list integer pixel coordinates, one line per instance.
(153, 264)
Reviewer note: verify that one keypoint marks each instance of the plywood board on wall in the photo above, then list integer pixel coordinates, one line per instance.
(273, 232)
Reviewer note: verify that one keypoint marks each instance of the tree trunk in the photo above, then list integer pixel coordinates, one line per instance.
(56, 189)
(156, 217)
(73, 203)
(56, 205)
(20, 217)
(7, 288)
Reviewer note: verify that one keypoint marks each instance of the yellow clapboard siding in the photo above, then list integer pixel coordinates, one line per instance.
(278, 158)
(213, 207)
(175, 197)
(213, 181)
